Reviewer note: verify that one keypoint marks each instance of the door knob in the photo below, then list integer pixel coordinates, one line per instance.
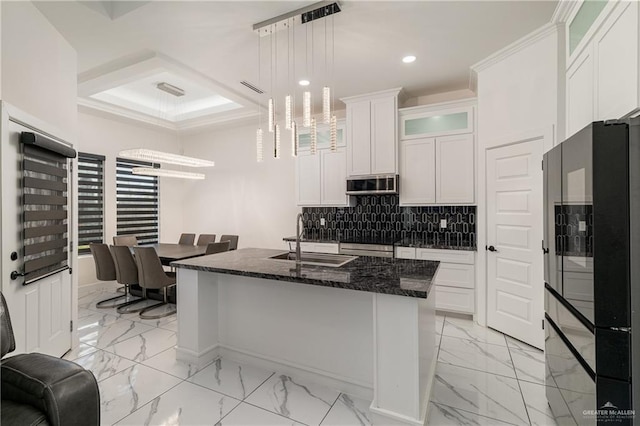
(15, 274)
(491, 248)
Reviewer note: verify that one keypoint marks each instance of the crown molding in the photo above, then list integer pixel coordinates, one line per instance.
(516, 46)
(563, 11)
(207, 121)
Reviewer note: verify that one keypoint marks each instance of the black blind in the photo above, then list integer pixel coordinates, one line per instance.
(44, 210)
(90, 200)
(137, 202)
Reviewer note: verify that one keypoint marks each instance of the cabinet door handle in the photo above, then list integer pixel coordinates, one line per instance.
(491, 248)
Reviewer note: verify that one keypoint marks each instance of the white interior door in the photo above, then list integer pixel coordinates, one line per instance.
(40, 311)
(514, 236)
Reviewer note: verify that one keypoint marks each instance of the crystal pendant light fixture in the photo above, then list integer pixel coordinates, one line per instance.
(326, 104)
(259, 154)
(294, 139)
(313, 136)
(276, 141)
(153, 156)
(271, 114)
(333, 133)
(287, 112)
(148, 171)
(306, 109)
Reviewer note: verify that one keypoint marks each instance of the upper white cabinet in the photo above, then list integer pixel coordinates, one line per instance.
(441, 169)
(417, 171)
(455, 183)
(436, 122)
(603, 74)
(372, 129)
(321, 178)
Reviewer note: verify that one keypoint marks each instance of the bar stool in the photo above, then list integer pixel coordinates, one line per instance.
(152, 276)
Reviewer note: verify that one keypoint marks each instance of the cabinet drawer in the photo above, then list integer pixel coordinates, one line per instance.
(449, 256)
(405, 252)
(455, 299)
(456, 275)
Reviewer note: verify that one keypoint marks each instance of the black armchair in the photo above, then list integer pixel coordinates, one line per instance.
(39, 389)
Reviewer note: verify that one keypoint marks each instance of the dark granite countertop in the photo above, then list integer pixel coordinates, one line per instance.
(402, 277)
(407, 242)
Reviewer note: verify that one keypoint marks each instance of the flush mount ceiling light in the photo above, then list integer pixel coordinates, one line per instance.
(408, 59)
(284, 108)
(147, 171)
(170, 88)
(164, 157)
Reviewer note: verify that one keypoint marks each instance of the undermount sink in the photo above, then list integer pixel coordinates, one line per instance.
(320, 259)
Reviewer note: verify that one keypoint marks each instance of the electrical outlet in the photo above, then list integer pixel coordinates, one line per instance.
(582, 226)
(443, 223)
(322, 221)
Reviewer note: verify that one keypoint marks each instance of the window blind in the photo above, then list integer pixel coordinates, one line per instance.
(137, 202)
(90, 200)
(44, 213)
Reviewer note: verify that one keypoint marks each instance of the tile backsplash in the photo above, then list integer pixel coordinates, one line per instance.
(381, 217)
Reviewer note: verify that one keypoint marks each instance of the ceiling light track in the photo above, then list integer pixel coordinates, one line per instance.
(303, 15)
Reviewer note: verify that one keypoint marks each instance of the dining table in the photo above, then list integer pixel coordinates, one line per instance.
(172, 252)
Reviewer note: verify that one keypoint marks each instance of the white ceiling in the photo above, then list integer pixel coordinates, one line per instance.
(214, 41)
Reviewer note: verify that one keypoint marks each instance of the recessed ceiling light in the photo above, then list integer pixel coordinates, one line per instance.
(408, 59)
(303, 82)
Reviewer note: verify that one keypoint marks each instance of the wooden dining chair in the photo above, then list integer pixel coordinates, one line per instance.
(125, 240)
(204, 239)
(233, 241)
(153, 276)
(187, 239)
(218, 247)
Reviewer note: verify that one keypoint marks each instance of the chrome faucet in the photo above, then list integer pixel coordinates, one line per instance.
(298, 236)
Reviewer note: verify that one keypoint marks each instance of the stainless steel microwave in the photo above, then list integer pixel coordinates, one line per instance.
(377, 184)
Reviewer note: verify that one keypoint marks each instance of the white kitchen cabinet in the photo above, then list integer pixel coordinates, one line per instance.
(455, 279)
(308, 179)
(455, 183)
(372, 133)
(417, 171)
(616, 49)
(333, 176)
(580, 93)
(321, 178)
(437, 170)
(603, 69)
(418, 122)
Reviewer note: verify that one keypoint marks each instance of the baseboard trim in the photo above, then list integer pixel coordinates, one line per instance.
(199, 359)
(86, 289)
(386, 417)
(349, 386)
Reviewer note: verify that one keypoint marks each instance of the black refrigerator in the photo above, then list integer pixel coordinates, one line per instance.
(592, 275)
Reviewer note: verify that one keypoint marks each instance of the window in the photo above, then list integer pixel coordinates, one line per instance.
(90, 200)
(137, 202)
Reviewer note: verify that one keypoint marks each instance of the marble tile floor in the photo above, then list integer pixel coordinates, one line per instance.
(482, 378)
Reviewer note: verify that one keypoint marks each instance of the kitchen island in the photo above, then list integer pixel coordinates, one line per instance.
(365, 328)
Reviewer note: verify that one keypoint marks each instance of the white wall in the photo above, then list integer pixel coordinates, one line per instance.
(105, 135)
(38, 66)
(518, 96)
(239, 195)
